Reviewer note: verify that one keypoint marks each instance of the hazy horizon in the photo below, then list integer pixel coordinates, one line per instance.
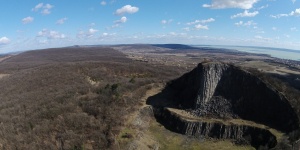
(273, 52)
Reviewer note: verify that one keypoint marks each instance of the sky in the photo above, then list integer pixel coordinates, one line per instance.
(38, 24)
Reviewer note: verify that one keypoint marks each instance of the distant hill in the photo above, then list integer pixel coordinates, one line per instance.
(174, 46)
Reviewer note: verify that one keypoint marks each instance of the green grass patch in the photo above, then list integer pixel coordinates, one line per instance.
(173, 141)
(126, 136)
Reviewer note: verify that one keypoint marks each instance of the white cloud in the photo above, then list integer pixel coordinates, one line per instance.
(115, 26)
(293, 29)
(50, 34)
(246, 13)
(248, 23)
(48, 6)
(295, 13)
(208, 20)
(122, 20)
(87, 34)
(164, 22)
(4, 40)
(199, 27)
(239, 23)
(287, 36)
(221, 4)
(42, 33)
(206, 6)
(173, 33)
(293, 1)
(262, 38)
(81, 34)
(45, 8)
(92, 31)
(43, 41)
(199, 24)
(186, 29)
(46, 12)
(107, 36)
(274, 28)
(279, 16)
(167, 21)
(118, 22)
(263, 7)
(103, 3)
(92, 24)
(27, 20)
(56, 35)
(201, 21)
(259, 31)
(127, 9)
(37, 7)
(61, 21)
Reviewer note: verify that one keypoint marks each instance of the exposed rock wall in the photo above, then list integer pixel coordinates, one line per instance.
(255, 100)
(224, 90)
(209, 79)
(255, 136)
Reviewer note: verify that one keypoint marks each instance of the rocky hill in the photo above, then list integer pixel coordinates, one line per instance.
(220, 100)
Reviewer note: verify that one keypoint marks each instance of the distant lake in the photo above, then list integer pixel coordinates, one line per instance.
(274, 52)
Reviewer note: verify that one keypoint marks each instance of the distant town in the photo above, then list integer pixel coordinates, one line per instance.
(290, 63)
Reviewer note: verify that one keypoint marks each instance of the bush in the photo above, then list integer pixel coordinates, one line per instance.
(132, 80)
(114, 87)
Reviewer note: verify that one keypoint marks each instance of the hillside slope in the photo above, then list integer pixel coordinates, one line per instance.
(70, 98)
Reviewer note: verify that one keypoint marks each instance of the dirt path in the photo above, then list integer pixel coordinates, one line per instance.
(1, 60)
(4, 58)
(3, 75)
(138, 124)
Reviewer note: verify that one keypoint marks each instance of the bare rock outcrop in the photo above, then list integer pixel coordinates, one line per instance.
(222, 91)
(225, 91)
(241, 133)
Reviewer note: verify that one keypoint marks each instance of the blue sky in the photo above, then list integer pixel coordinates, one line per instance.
(37, 24)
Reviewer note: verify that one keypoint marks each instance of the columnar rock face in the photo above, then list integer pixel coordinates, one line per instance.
(201, 102)
(225, 91)
(243, 133)
(209, 79)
